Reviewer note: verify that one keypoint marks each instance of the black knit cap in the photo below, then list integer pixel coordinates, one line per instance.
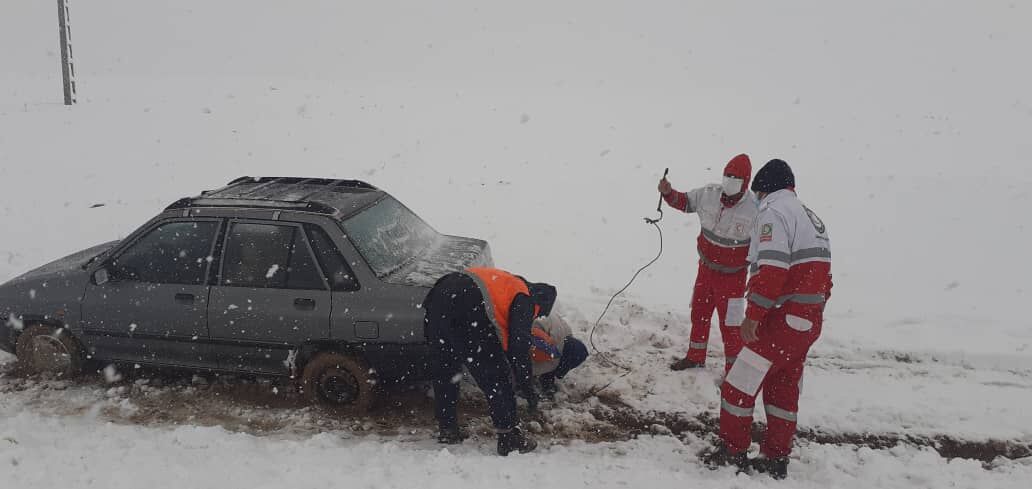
(774, 176)
(543, 295)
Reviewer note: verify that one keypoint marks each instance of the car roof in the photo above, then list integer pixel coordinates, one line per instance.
(336, 197)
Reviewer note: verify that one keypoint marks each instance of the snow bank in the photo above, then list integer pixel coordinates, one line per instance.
(844, 390)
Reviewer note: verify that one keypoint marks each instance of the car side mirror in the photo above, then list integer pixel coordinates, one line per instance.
(101, 276)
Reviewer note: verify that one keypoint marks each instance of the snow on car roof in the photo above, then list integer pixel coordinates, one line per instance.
(337, 197)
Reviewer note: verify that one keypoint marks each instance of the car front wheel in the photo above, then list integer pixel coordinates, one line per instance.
(44, 349)
(340, 381)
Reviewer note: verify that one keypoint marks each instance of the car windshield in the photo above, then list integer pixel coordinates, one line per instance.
(389, 235)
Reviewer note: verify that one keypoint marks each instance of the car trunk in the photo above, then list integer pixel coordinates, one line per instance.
(448, 254)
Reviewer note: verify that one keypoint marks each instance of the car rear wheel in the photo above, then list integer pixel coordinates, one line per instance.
(343, 382)
(43, 349)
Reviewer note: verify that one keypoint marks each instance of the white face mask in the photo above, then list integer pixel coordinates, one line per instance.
(732, 186)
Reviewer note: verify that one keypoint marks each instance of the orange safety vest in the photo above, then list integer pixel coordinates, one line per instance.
(500, 289)
(542, 346)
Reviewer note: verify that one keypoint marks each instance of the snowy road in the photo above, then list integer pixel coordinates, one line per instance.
(79, 435)
(186, 433)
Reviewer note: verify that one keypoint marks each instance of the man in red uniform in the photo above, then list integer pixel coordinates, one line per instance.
(726, 215)
(790, 284)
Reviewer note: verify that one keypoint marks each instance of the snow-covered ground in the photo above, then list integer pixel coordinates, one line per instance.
(114, 456)
(543, 127)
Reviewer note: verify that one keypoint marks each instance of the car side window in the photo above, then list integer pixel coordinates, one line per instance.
(269, 256)
(172, 253)
(341, 277)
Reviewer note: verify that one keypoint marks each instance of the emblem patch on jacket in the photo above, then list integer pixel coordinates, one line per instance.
(818, 224)
(766, 232)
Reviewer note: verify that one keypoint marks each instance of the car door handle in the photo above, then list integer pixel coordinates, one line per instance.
(304, 304)
(184, 298)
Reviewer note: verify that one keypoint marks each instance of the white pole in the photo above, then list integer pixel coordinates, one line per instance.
(67, 66)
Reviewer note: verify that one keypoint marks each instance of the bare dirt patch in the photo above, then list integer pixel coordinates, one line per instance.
(706, 426)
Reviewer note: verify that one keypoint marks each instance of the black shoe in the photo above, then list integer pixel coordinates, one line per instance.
(777, 468)
(515, 440)
(684, 364)
(720, 457)
(548, 385)
(451, 436)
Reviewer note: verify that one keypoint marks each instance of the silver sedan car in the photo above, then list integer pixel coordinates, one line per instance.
(318, 279)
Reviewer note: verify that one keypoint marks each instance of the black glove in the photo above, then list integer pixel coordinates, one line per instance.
(532, 397)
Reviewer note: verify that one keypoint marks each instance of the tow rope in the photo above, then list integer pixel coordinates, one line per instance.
(606, 357)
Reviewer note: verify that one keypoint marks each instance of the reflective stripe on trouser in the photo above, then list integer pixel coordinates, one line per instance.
(739, 411)
(767, 302)
(711, 292)
(777, 412)
(786, 349)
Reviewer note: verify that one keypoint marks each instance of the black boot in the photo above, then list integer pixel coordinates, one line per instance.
(684, 364)
(721, 457)
(451, 435)
(515, 440)
(777, 468)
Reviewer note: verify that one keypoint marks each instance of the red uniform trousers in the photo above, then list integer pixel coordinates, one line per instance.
(712, 290)
(784, 344)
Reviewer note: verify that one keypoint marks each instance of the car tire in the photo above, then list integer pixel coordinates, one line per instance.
(342, 382)
(44, 349)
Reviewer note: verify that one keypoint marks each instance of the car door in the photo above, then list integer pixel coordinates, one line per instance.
(153, 306)
(270, 297)
(384, 320)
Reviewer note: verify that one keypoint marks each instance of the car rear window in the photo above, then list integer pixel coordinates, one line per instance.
(388, 235)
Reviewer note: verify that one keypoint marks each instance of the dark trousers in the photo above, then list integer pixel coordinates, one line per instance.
(459, 334)
(574, 354)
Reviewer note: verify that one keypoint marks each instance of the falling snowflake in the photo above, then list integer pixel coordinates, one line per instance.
(111, 374)
(272, 271)
(291, 361)
(15, 323)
